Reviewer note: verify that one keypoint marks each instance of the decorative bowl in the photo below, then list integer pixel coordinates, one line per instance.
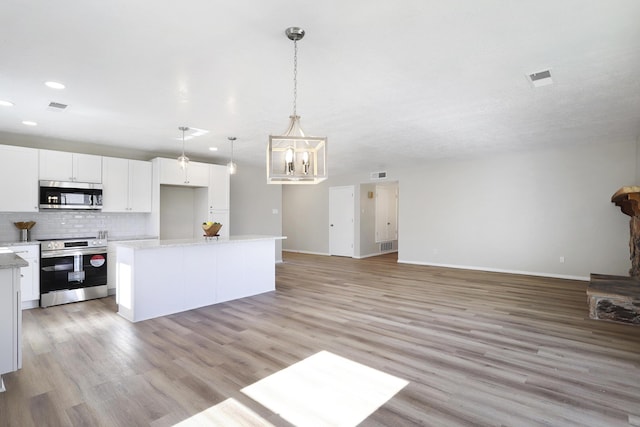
(211, 230)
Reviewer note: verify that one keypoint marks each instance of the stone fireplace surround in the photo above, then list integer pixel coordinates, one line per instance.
(617, 298)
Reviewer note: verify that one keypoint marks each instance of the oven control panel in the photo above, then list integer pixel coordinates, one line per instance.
(52, 245)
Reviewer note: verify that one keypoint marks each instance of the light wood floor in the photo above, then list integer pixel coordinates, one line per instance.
(478, 349)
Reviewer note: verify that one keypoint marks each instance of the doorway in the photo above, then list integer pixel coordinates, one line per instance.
(341, 220)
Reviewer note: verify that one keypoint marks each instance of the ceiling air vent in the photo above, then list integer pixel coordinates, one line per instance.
(57, 106)
(541, 78)
(379, 175)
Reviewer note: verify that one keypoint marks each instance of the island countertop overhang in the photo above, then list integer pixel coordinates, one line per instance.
(201, 241)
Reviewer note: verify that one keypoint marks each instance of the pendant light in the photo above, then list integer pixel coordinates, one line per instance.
(183, 160)
(233, 168)
(295, 158)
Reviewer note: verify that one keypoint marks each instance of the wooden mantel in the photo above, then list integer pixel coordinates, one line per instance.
(628, 199)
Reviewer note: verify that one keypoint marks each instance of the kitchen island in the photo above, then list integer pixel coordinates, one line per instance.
(161, 277)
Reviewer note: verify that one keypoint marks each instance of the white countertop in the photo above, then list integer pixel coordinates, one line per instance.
(200, 241)
(11, 260)
(128, 238)
(20, 243)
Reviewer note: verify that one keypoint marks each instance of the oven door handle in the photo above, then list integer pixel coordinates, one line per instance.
(65, 253)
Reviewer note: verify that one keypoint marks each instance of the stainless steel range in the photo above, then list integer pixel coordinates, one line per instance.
(72, 270)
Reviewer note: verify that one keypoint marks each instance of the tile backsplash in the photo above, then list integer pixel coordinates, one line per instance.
(74, 224)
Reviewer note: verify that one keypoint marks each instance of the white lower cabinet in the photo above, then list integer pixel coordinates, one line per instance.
(10, 321)
(29, 276)
(112, 269)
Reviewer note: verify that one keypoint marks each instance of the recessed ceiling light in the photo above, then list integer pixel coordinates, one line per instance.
(55, 85)
(213, 148)
(29, 123)
(6, 103)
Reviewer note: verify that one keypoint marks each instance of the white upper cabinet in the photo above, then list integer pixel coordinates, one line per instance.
(140, 185)
(63, 166)
(219, 187)
(126, 185)
(19, 178)
(115, 189)
(195, 175)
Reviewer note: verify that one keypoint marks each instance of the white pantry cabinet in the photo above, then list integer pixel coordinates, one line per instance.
(127, 185)
(195, 175)
(218, 197)
(19, 178)
(223, 218)
(63, 166)
(218, 187)
(30, 275)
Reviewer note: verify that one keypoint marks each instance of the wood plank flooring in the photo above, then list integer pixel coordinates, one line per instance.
(477, 349)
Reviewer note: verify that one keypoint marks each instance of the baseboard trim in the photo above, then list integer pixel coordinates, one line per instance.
(374, 254)
(27, 305)
(498, 270)
(306, 252)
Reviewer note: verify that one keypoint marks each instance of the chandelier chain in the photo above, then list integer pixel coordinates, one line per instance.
(295, 75)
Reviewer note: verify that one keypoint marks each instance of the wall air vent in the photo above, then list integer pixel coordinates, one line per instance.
(57, 106)
(540, 78)
(379, 175)
(386, 246)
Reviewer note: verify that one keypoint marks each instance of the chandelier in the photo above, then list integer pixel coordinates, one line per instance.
(294, 157)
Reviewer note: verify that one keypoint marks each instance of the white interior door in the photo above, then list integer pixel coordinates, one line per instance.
(341, 214)
(386, 213)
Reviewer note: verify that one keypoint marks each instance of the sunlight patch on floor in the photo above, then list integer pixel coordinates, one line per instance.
(229, 413)
(325, 390)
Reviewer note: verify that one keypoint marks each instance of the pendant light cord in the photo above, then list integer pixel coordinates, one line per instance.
(295, 75)
(183, 130)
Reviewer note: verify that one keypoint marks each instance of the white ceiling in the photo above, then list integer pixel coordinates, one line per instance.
(386, 81)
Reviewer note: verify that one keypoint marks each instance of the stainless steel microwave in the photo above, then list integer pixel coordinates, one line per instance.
(70, 195)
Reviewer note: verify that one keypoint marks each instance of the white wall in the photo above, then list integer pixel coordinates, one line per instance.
(367, 214)
(306, 215)
(177, 212)
(305, 218)
(517, 212)
(252, 205)
(520, 212)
